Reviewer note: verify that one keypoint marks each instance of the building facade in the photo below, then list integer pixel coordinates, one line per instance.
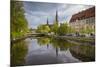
(83, 20)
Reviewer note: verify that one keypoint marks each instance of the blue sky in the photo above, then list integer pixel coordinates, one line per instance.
(37, 13)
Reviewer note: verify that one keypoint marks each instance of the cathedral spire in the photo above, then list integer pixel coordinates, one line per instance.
(56, 17)
(47, 22)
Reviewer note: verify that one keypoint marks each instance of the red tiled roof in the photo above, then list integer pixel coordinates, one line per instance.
(84, 14)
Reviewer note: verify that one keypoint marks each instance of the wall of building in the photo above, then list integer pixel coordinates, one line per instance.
(84, 23)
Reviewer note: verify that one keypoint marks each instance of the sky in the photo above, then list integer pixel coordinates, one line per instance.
(37, 13)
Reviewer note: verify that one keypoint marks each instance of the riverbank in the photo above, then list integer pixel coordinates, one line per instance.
(88, 40)
(73, 39)
(18, 39)
(26, 36)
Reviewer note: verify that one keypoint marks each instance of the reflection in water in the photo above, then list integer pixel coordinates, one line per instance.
(43, 41)
(84, 52)
(63, 45)
(44, 50)
(18, 53)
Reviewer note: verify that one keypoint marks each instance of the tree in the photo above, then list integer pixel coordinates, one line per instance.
(18, 21)
(43, 29)
(63, 29)
(70, 30)
(55, 28)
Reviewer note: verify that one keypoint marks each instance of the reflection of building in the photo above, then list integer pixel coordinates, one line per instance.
(83, 19)
(83, 52)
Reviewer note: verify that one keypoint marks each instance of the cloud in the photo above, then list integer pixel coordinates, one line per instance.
(37, 13)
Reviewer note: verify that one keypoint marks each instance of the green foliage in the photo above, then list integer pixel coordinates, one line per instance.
(71, 30)
(63, 29)
(43, 41)
(62, 44)
(43, 29)
(18, 21)
(55, 27)
(18, 53)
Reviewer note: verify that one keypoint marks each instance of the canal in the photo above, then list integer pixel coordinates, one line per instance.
(46, 50)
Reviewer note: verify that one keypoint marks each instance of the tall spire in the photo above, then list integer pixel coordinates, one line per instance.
(56, 18)
(47, 22)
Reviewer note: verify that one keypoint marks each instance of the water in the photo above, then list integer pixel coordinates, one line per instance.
(44, 50)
